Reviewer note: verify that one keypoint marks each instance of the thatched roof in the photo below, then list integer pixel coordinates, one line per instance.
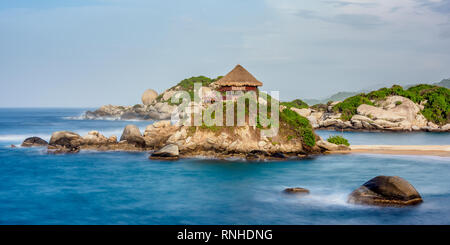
(239, 76)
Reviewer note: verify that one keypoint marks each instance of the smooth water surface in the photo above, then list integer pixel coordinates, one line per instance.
(128, 188)
(390, 138)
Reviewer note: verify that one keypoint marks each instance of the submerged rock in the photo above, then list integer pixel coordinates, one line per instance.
(168, 152)
(34, 141)
(386, 191)
(278, 155)
(252, 157)
(296, 190)
(256, 155)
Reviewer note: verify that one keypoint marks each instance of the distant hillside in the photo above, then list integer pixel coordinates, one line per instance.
(444, 83)
(335, 97)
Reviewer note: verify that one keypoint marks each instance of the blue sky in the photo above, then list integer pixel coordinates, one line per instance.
(85, 53)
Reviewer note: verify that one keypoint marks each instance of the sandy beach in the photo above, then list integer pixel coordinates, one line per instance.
(431, 150)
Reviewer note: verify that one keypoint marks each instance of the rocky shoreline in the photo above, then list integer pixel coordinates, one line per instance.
(164, 140)
(394, 114)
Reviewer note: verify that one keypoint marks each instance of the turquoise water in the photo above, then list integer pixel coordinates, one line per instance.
(127, 188)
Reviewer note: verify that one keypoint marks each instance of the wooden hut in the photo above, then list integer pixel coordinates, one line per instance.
(239, 79)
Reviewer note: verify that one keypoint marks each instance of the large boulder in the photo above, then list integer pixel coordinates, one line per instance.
(386, 191)
(132, 135)
(95, 138)
(328, 146)
(149, 96)
(157, 134)
(65, 138)
(393, 113)
(313, 120)
(65, 142)
(34, 141)
(130, 131)
(375, 113)
(168, 152)
(446, 127)
(361, 118)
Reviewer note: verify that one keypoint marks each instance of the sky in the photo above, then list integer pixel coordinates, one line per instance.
(86, 53)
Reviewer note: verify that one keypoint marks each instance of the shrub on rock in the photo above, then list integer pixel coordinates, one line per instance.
(338, 140)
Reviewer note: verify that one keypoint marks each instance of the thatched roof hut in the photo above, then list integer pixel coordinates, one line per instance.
(238, 77)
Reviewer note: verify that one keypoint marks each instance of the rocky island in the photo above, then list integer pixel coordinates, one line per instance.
(419, 108)
(422, 107)
(170, 140)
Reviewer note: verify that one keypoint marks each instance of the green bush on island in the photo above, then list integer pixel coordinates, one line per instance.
(300, 125)
(300, 104)
(338, 140)
(348, 106)
(436, 101)
(188, 85)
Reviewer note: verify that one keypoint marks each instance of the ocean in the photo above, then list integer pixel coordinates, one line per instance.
(128, 188)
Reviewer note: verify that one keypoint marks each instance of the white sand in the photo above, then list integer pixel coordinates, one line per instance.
(433, 150)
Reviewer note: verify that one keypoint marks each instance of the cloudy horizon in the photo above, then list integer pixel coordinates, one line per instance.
(86, 53)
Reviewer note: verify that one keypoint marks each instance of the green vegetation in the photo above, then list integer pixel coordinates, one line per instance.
(436, 108)
(188, 85)
(295, 103)
(300, 125)
(338, 140)
(398, 103)
(348, 106)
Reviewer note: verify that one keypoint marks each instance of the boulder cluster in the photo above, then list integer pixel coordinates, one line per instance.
(157, 111)
(167, 140)
(395, 113)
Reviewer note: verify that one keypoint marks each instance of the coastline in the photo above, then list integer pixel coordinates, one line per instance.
(385, 130)
(428, 150)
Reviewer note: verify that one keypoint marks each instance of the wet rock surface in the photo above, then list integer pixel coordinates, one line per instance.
(296, 190)
(386, 191)
(34, 142)
(168, 152)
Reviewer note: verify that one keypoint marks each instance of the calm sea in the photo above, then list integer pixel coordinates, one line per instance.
(127, 188)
